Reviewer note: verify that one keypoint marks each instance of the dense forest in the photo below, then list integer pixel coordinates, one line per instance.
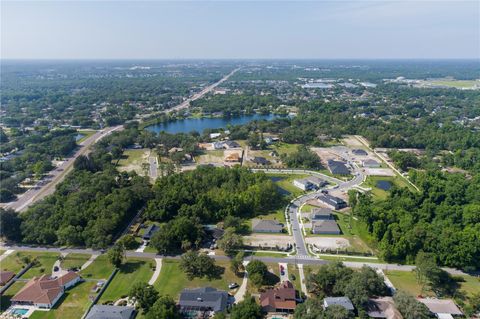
(442, 219)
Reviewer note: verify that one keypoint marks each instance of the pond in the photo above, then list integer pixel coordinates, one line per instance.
(201, 124)
(384, 185)
(79, 136)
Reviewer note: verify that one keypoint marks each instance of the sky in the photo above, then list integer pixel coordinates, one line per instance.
(240, 29)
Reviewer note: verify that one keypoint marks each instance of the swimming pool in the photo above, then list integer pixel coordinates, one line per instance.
(19, 311)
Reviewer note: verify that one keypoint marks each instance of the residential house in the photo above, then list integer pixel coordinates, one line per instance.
(202, 301)
(338, 167)
(152, 229)
(304, 184)
(332, 201)
(441, 308)
(218, 145)
(279, 299)
(6, 276)
(111, 312)
(215, 135)
(325, 227)
(231, 144)
(341, 301)
(321, 214)
(360, 152)
(266, 226)
(316, 181)
(44, 292)
(233, 158)
(384, 308)
(371, 163)
(260, 160)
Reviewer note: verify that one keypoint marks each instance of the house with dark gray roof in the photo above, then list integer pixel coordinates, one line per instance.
(266, 226)
(111, 312)
(260, 160)
(338, 167)
(359, 152)
(203, 300)
(321, 214)
(231, 144)
(325, 227)
(341, 301)
(152, 229)
(370, 163)
(332, 201)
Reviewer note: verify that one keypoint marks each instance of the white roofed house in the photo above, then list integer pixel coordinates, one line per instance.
(442, 308)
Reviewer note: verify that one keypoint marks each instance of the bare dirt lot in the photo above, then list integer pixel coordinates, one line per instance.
(352, 142)
(268, 240)
(322, 243)
(379, 172)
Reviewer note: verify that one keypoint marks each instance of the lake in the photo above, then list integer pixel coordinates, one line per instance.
(200, 124)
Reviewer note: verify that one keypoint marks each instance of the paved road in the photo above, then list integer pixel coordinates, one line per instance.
(185, 104)
(304, 260)
(153, 171)
(47, 187)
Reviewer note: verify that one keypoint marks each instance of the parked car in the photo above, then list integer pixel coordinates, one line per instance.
(232, 285)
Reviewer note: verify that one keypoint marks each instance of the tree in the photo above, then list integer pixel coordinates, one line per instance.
(246, 309)
(234, 222)
(312, 308)
(198, 265)
(338, 312)
(129, 242)
(236, 263)
(257, 272)
(9, 224)
(116, 255)
(230, 241)
(144, 294)
(164, 308)
(409, 307)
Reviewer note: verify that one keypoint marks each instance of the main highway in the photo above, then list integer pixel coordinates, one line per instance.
(47, 185)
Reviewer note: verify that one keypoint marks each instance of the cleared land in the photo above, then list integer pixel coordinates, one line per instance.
(99, 269)
(45, 265)
(134, 160)
(172, 279)
(268, 240)
(132, 271)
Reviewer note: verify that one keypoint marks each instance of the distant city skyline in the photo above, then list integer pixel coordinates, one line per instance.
(240, 30)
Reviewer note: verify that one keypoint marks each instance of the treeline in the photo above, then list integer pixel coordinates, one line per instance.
(443, 219)
(206, 195)
(236, 104)
(31, 154)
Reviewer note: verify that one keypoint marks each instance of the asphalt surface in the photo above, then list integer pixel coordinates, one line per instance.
(153, 171)
(47, 185)
(304, 260)
(185, 104)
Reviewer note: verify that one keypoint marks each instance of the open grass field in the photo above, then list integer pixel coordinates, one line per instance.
(12, 262)
(74, 261)
(293, 270)
(172, 279)
(285, 183)
(133, 160)
(99, 269)
(284, 148)
(459, 84)
(72, 305)
(132, 271)
(407, 281)
(278, 215)
(378, 193)
(5, 298)
(46, 261)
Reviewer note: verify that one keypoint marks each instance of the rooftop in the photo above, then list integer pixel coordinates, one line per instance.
(203, 298)
(111, 312)
(444, 306)
(342, 301)
(280, 297)
(325, 226)
(266, 225)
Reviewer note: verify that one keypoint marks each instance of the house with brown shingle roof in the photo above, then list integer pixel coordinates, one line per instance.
(279, 299)
(5, 276)
(44, 291)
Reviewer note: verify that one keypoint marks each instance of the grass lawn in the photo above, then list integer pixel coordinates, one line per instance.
(284, 148)
(7, 295)
(273, 278)
(99, 269)
(285, 183)
(44, 267)
(268, 254)
(378, 193)
(406, 281)
(342, 259)
(132, 271)
(172, 279)
(278, 215)
(72, 305)
(133, 160)
(74, 261)
(293, 270)
(86, 134)
(12, 262)
(456, 83)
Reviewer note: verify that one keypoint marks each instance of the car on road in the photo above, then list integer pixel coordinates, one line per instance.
(232, 285)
